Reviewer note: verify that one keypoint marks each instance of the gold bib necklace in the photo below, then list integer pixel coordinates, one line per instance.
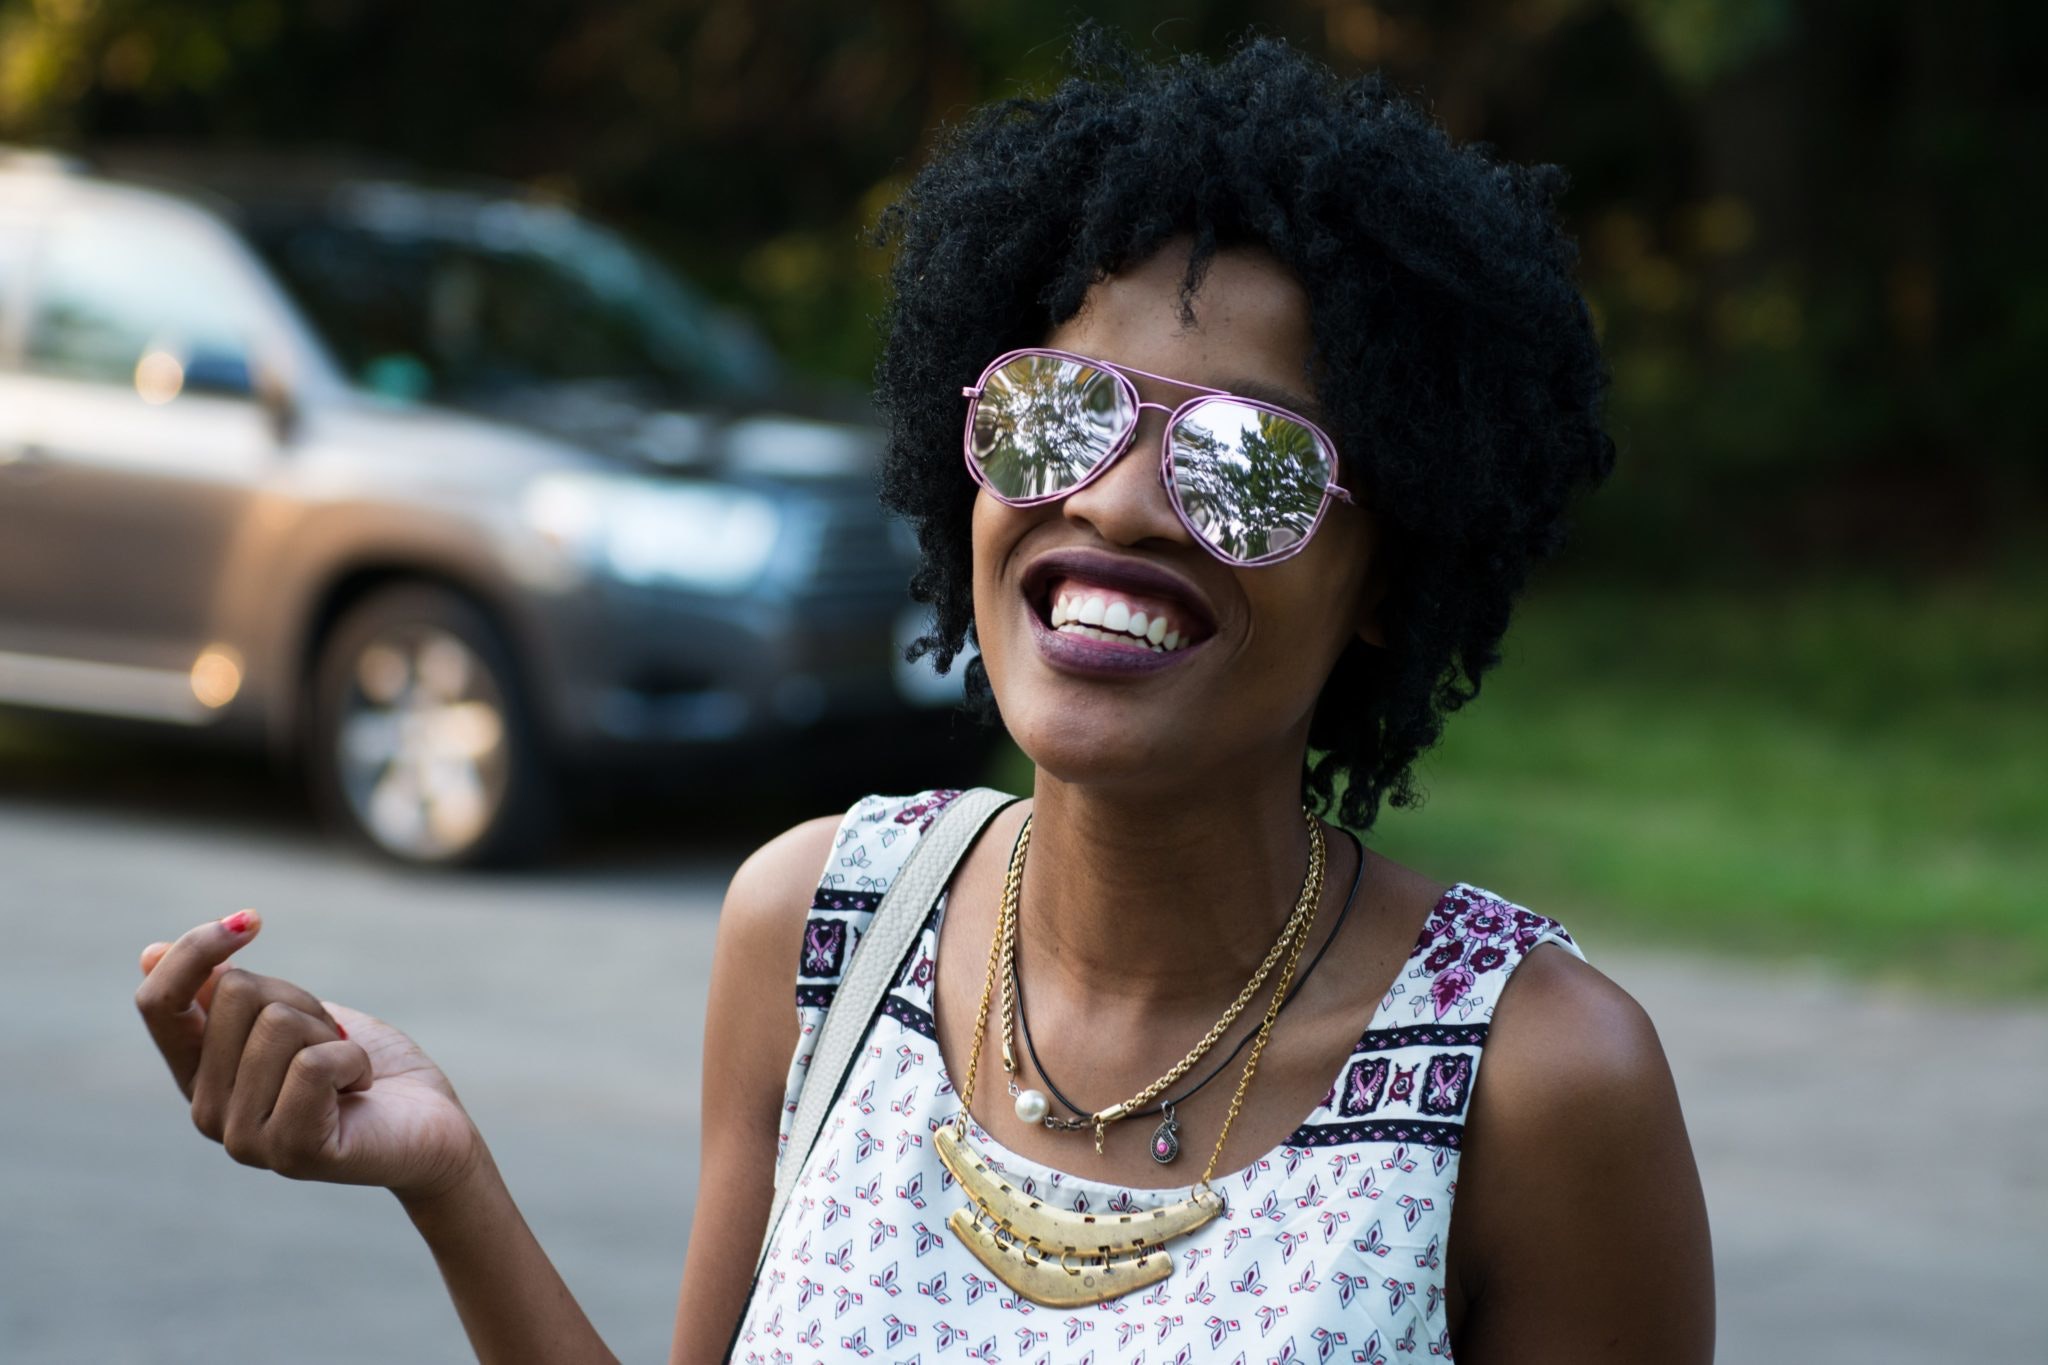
(1058, 1257)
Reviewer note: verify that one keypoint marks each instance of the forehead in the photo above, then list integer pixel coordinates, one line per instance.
(1250, 320)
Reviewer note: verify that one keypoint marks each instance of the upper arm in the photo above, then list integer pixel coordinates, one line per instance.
(750, 1034)
(1581, 1229)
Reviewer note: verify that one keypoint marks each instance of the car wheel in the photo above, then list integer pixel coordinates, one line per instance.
(420, 742)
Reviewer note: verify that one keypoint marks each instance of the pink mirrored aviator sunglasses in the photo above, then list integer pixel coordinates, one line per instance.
(1249, 480)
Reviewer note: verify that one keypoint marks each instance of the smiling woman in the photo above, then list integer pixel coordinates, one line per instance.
(1270, 397)
(1260, 641)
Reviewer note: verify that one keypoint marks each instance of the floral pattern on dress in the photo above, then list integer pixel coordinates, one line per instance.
(1471, 933)
(1332, 1244)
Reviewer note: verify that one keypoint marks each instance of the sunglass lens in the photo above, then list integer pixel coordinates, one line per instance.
(1251, 481)
(1042, 422)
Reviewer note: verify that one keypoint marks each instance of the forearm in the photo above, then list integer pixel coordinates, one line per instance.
(512, 1301)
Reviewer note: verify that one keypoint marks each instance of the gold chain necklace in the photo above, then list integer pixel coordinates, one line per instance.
(1057, 1257)
(1032, 1105)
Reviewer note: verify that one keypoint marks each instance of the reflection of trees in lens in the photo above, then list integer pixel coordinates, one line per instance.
(1252, 487)
(1042, 424)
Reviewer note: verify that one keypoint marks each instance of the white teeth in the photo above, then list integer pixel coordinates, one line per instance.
(1101, 617)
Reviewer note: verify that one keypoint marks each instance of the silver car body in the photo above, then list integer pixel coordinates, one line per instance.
(171, 550)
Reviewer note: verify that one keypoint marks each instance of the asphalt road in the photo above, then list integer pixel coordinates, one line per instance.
(1873, 1164)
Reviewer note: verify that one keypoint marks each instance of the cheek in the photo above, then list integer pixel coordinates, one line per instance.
(987, 530)
(996, 532)
(1303, 623)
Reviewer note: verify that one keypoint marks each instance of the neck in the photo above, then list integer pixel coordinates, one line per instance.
(1162, 897)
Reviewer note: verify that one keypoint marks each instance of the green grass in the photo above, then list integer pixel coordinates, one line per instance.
(1848, 772)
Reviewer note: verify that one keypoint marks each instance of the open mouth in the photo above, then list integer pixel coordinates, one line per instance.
(1074, 606)
(1143, 610)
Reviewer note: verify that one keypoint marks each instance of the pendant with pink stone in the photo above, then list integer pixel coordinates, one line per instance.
(1165, 1139)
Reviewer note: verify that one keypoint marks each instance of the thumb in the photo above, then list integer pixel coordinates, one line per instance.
(355, 1023)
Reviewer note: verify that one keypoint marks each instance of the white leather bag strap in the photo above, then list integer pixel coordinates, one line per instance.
(877, 960)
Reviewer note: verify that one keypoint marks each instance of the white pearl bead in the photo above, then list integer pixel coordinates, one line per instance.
(1032, 1106)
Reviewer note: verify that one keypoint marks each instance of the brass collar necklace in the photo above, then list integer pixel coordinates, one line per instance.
(1058, 1257)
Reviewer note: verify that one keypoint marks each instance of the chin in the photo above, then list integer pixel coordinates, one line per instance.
(1103, 753)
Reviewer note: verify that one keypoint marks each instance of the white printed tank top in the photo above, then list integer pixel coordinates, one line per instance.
(1332, 1247)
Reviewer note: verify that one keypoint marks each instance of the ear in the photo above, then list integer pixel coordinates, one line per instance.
(1370, 596)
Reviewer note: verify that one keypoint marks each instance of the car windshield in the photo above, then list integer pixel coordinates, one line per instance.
(463, 299)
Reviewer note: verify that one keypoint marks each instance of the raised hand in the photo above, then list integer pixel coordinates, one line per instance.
(304, 1087)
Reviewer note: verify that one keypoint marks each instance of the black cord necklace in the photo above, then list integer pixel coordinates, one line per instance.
(1165, 1145)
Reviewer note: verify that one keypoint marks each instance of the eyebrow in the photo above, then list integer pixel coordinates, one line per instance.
(1278, 396)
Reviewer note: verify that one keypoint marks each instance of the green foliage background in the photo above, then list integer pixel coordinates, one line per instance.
(1784, 692)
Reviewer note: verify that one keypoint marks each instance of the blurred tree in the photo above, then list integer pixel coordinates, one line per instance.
(1808, 225)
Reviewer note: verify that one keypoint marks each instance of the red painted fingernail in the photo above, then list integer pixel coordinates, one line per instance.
(339, 1029)
(237, 922)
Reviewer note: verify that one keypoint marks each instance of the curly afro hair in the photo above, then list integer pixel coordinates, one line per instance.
(1454, 356)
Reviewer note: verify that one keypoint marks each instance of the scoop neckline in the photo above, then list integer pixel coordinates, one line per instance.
(1010, 1161)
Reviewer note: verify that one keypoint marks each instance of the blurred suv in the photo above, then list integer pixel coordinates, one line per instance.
(445, 494)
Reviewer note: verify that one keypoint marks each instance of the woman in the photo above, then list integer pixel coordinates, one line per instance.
(1271, 397)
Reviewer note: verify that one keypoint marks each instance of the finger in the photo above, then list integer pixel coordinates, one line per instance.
(169, 997)
(279, 1034)
(335, 1012)
(154, 953)
(305, 1124)
(239, 999)
(212, 983)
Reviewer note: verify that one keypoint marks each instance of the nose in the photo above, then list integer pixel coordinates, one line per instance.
(1127, 503)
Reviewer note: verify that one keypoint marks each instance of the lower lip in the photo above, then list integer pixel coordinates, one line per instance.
(1099, 658)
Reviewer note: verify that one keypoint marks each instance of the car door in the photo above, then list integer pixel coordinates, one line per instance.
(17, 245)
(137, 448)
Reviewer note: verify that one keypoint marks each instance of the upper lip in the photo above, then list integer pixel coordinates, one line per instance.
(1116, 571)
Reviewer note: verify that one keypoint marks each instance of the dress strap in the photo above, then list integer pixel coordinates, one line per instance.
(1469, 946)
(865, 977)
(1410, 1075)
(874, 838)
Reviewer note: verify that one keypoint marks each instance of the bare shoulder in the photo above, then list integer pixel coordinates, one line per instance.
(1574, 1077)
(752, 1024)
(770, 895)
(1565, 1035)
(1580, 1230)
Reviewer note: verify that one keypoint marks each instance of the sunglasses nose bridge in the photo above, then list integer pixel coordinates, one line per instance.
(1147, 442)
(1118, 508)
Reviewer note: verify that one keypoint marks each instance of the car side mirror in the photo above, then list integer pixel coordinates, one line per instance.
(273, 393)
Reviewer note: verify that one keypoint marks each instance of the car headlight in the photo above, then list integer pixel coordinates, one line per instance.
(643, 532)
